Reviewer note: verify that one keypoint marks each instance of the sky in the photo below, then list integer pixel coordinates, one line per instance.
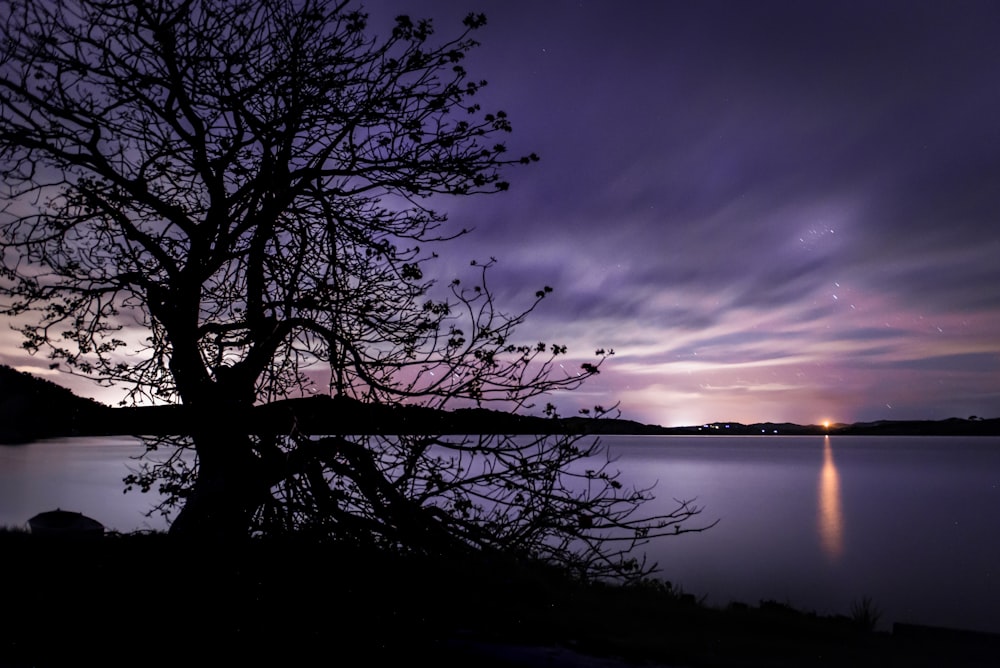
(771, 211)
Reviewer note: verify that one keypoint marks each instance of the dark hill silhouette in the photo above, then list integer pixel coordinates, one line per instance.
(949, 427)
(341, 415)
(32, 408)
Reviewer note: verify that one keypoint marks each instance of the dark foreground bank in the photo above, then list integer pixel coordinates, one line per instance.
(150, 600)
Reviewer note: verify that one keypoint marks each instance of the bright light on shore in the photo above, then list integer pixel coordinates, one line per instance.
(826, 424)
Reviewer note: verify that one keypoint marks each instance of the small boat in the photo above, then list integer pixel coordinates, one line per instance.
(65, 523)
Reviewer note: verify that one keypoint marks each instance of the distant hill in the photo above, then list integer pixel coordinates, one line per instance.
(341, 415)
(32, 408)
(949, 427)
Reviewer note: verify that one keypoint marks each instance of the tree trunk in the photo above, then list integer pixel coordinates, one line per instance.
(227, 491)
(230, 481)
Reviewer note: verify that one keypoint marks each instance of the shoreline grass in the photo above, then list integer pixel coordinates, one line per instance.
(152, 600)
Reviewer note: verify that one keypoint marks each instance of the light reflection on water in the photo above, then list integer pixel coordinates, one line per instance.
(831, 517)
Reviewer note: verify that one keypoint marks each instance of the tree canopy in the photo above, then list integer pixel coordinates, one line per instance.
(222, 203)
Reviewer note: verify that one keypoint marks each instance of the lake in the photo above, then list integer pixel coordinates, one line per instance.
(820, 522)
(81, 474)
(814, 522)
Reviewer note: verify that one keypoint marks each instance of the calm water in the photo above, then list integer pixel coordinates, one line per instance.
(81, 474)
(817, 522)
(913, 523)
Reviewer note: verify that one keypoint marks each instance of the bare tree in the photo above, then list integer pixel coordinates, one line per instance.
(222, 203)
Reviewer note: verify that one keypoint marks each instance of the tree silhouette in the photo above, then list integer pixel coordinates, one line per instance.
(220, 203)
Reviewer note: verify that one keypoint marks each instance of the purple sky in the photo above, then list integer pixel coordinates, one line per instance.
(770, 210)
(784, 211)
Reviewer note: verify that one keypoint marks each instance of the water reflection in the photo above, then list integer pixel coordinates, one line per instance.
(831, 516)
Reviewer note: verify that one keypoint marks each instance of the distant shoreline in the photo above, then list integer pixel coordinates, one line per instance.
(949, 427)
(339, 415)
(32, 408)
